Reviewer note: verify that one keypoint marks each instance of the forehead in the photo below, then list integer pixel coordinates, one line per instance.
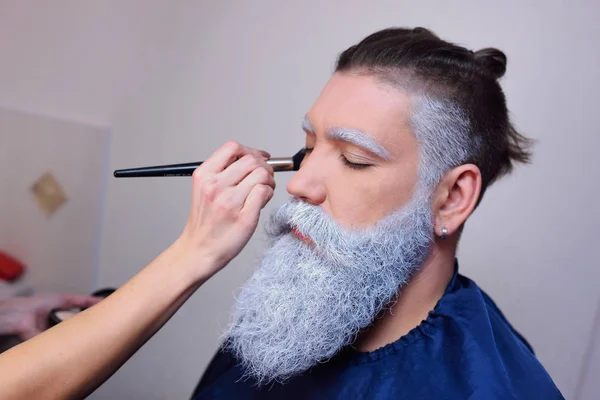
(363, 102)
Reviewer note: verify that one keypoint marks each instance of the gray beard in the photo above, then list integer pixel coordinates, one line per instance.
(305, 303)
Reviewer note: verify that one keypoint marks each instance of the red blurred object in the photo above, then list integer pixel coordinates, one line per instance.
(10, 268)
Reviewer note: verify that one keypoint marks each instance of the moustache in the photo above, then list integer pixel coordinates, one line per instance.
(335, 243)
(310, 222)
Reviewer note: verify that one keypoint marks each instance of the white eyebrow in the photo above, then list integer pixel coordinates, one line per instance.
(306, 125)
(360, 139)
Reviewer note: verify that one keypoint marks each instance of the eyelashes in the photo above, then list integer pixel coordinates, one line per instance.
(353, 165)
(347, 163)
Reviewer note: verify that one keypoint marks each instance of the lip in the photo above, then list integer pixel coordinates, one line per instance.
(302, 237)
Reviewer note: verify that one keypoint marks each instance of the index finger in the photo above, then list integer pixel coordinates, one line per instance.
(227, 154)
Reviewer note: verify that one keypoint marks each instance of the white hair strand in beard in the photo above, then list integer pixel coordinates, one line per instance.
(306, 302)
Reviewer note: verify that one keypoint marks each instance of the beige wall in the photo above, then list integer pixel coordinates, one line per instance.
(175, 79)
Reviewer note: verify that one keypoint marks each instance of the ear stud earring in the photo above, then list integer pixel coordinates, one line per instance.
(444, 235)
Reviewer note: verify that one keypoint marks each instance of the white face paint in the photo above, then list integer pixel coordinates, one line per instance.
(307, 301)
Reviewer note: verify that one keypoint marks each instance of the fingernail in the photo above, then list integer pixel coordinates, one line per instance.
(265, 154)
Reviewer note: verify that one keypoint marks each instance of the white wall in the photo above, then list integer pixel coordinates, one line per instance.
(175, 79)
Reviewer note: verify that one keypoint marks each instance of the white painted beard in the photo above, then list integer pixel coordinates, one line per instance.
(308, 301)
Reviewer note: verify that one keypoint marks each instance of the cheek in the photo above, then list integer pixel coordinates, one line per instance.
(361, 198)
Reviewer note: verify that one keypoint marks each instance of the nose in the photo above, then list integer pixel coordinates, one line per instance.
(308, 183)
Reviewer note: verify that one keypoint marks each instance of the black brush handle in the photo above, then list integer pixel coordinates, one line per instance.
(187, 169)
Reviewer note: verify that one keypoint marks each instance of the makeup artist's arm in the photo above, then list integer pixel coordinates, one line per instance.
(73, 358)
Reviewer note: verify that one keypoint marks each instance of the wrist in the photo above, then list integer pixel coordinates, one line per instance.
(196, 264)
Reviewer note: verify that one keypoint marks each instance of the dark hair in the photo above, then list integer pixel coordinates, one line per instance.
(462, 114)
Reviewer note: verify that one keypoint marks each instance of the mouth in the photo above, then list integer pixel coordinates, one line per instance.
(302, 237)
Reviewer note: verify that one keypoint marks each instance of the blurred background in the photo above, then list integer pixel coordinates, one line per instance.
(89, 87)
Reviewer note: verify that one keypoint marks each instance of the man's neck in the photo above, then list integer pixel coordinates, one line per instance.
(417, 298)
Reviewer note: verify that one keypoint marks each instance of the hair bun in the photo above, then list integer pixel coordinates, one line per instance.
(493, 61)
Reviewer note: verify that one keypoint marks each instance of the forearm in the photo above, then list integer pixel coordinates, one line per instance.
(70, 360)
(77, 355)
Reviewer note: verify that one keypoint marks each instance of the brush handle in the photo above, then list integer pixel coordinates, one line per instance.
(187, 169)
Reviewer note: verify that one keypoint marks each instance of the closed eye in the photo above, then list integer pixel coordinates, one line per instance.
(353, 165)
(349, 164)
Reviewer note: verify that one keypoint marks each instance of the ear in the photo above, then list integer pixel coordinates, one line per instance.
(456, 198)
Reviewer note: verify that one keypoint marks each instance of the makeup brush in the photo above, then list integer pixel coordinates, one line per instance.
(278, 164)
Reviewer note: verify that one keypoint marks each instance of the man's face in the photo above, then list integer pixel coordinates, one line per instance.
(359, 109)
(348, 241)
